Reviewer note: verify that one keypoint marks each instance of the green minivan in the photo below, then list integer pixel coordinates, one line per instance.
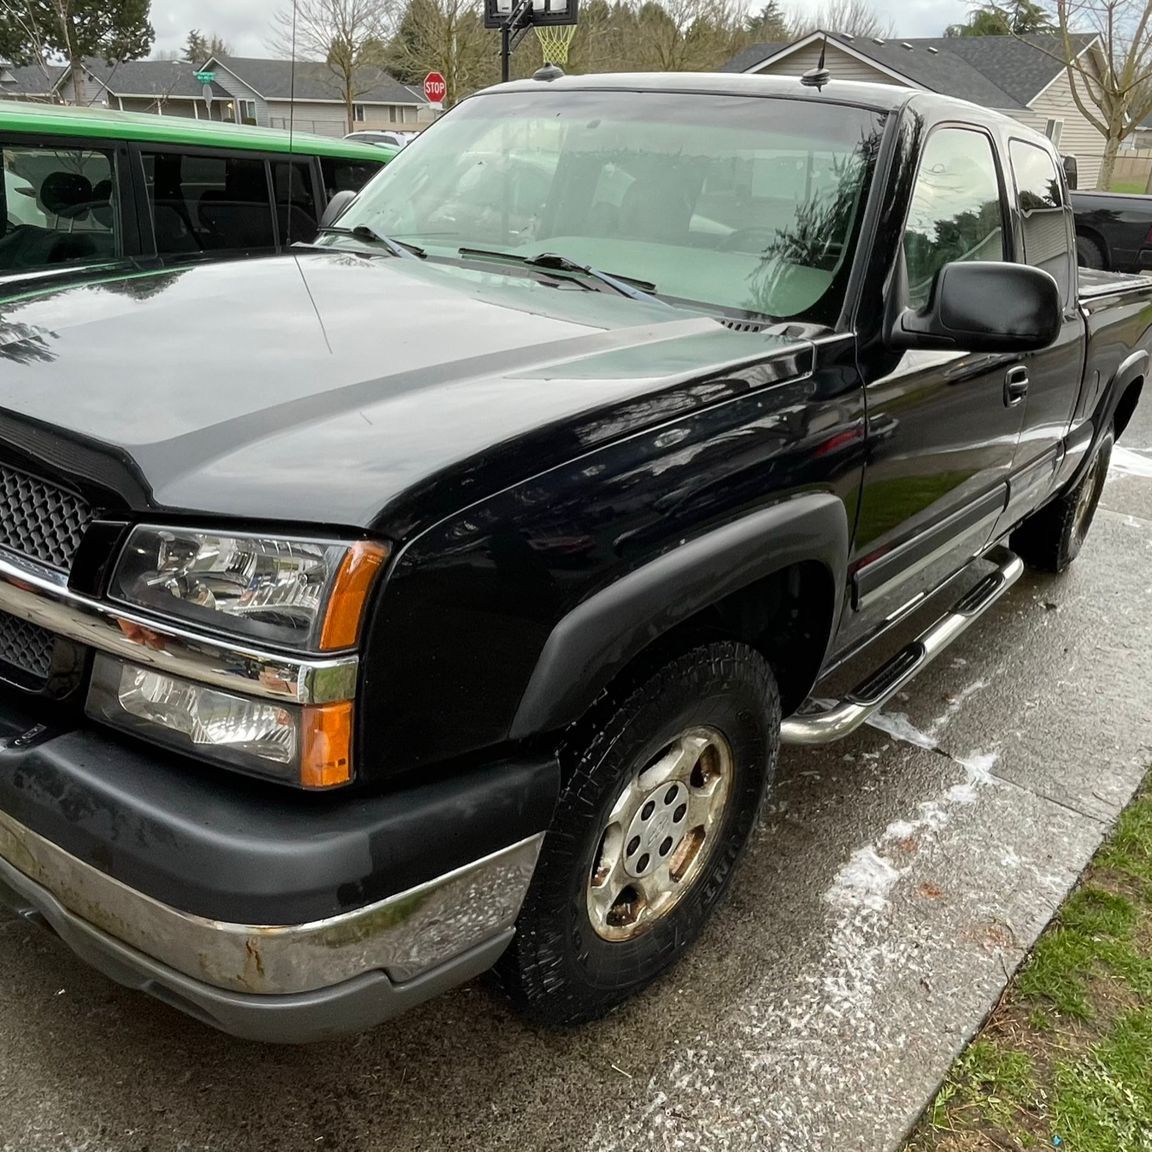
(88, 188)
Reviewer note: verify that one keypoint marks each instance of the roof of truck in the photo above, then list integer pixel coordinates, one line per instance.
(883, 97)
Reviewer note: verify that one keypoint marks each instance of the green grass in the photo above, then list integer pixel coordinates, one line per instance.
(1066, 1059)
(1136, 186)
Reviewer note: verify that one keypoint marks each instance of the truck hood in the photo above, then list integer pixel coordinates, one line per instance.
(334, 388)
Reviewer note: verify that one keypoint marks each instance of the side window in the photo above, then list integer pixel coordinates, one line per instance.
(295, 202)
(58, 207)
(345, 175)
(956, 212)
(1043, 212)
(206, 203)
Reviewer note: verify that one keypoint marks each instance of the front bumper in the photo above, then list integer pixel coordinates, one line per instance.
(362, 1001)
(270, 914)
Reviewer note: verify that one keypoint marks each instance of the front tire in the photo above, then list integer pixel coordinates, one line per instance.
(1051, 538)
(663, 782)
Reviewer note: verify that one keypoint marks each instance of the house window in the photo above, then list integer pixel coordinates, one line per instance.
(247, 109)
(1052, 130)
(392, 117)
(358, 112)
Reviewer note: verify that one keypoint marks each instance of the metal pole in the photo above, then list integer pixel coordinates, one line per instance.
(505, 53)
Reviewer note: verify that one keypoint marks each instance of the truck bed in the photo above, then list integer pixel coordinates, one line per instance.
(1095, 283)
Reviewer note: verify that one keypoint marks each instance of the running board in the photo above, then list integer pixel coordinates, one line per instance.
(823, 723)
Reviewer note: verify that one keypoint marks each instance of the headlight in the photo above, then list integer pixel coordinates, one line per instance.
(294, 593)
(310, 746)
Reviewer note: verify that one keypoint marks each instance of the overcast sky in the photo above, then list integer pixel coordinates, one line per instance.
(244, 23)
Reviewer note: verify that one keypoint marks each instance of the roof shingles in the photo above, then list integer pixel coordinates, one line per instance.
(314, 80)
(1003, 72)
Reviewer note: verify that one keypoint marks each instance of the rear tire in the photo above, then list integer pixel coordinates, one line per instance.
(1051, 538)
(663, 781)
(1089, 253)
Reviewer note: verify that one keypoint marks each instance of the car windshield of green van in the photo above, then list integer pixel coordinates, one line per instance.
(742, 204)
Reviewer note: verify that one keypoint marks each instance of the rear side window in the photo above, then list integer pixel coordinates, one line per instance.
(956, 212)
(204, 203)
(346, 175)
(1043, 212)
(295, 200)
(58, 206)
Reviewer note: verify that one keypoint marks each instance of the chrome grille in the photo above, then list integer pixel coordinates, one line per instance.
(39, 520)
(25, 646)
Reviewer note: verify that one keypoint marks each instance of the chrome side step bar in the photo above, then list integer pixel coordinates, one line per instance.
(822, 724)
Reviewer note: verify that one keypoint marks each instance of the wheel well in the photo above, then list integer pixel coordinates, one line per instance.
(786, 616)
(1127, 406)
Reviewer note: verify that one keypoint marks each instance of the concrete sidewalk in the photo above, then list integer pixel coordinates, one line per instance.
(897, 880)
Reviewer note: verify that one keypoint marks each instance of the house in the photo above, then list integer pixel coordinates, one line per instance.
(1021, 76)
(29, 81)
(244, 90)
(267, 91)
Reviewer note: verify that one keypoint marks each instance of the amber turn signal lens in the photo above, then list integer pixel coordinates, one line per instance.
(350, 593)
(326, 746)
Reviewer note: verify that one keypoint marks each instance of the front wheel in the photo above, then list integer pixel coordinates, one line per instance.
(1051, 538)
(1089, 254)
(663, 783)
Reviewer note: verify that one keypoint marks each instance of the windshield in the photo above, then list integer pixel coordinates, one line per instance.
(742, 204)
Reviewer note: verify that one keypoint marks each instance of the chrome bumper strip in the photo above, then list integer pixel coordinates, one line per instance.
(30, 593)
(403, 935)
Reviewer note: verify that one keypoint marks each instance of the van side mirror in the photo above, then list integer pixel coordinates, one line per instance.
(979, 306)
(1071, 171)
(336, 207)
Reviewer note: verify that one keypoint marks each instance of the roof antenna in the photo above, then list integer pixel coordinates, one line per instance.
(291, 125)
(819, 76)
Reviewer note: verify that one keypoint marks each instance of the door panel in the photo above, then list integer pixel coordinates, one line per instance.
(942, 434)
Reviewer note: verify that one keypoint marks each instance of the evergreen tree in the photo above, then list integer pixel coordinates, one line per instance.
(37, 31)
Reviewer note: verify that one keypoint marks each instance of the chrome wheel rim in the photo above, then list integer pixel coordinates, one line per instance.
(1086, 500)
(659, 834)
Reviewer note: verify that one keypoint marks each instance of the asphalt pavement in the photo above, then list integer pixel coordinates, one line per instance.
(897, 880)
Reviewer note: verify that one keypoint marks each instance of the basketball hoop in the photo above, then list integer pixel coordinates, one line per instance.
(555, 40)
(554, 22)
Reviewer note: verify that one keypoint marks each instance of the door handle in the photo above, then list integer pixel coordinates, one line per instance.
(1015, 385)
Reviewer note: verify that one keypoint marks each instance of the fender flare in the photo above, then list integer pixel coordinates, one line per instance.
(595, 641)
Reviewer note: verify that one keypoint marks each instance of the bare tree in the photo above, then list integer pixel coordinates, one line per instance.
(349, 36)
(1112, 81)
(26, 27)
(856, 17)
(446, 36)
(686, 35)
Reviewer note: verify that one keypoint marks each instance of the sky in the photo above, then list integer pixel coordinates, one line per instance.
(244, 24)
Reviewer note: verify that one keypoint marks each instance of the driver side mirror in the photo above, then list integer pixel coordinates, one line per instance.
(336, 207)
(1071, 171)
(978, 306)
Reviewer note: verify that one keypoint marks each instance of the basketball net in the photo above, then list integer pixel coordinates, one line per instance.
(555, 41)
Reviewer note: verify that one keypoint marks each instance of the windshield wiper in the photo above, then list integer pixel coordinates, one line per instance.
(363, 232)
(553, 262)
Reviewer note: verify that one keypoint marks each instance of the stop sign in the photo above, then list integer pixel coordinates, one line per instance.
(435, 89)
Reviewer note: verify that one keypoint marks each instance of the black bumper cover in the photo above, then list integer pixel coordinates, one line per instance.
(223, 847)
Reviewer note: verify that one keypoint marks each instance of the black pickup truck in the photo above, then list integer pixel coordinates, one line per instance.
(1113, 231)
(437, 596)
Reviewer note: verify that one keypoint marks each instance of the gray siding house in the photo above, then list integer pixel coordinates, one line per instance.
(244, 90)
(1021, 76)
